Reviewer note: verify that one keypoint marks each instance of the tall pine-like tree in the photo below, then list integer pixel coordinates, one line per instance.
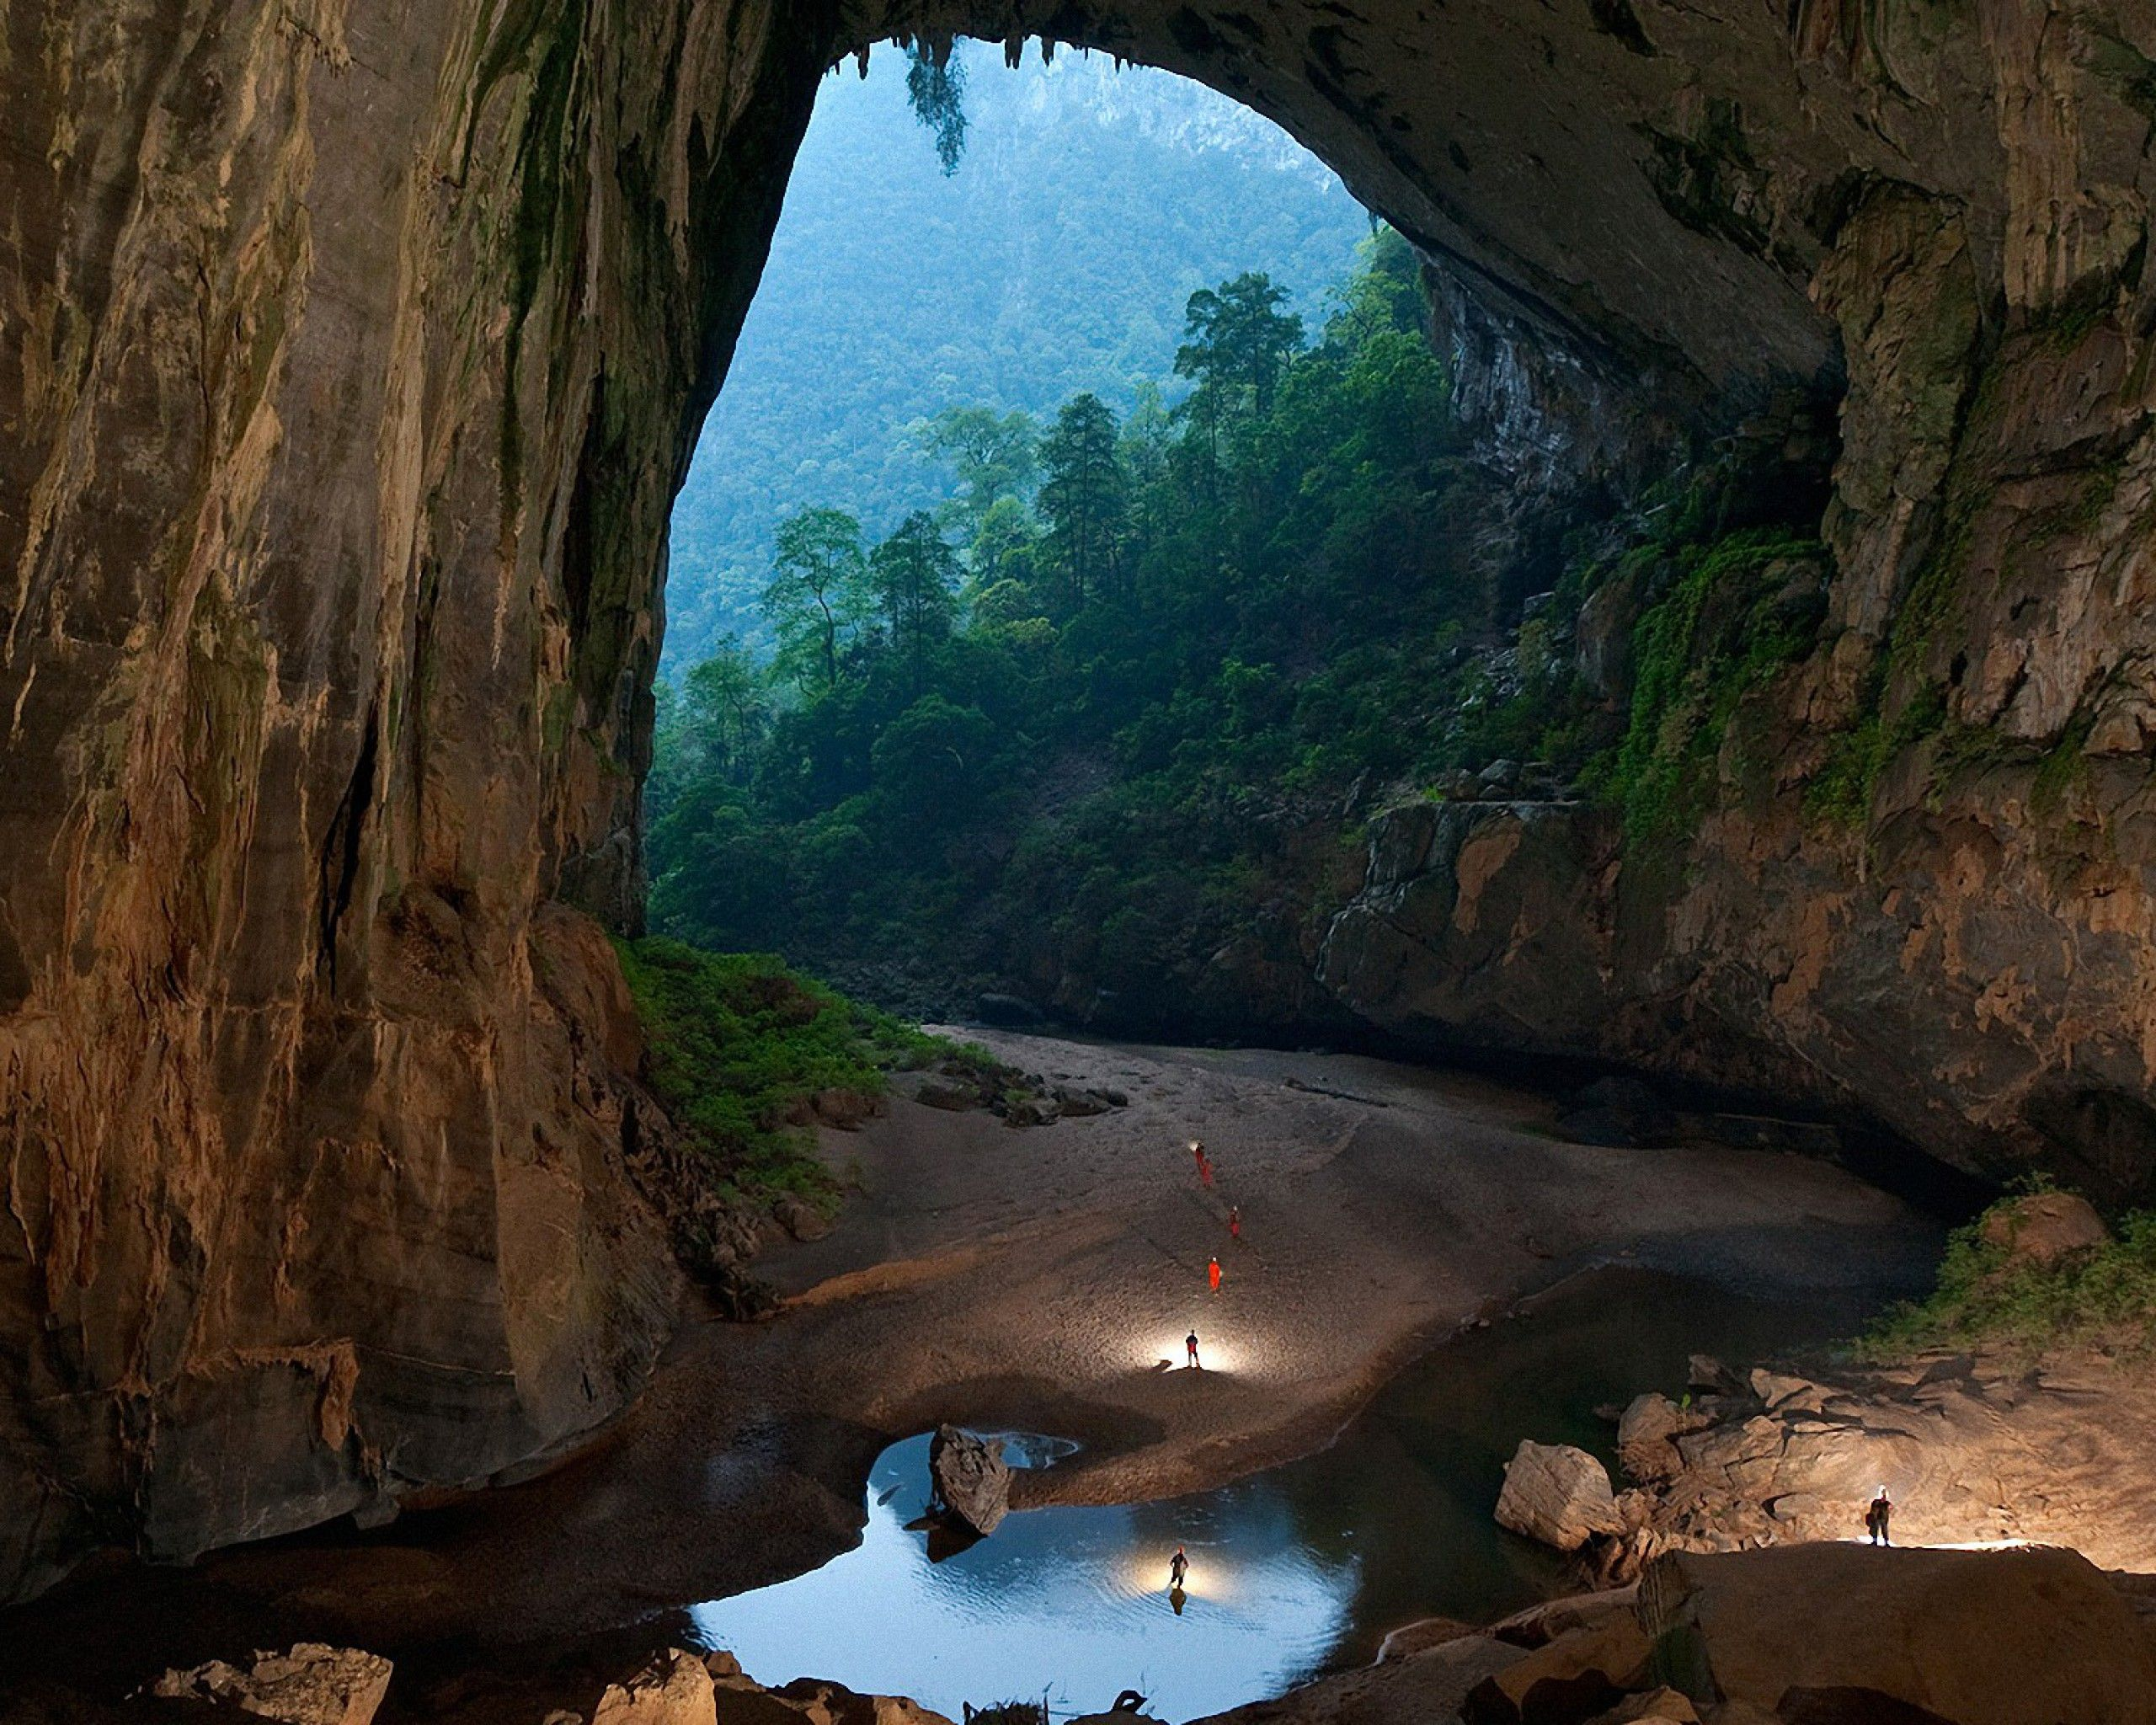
(1085, 497)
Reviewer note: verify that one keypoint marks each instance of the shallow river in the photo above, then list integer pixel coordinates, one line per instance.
(1294, 1572)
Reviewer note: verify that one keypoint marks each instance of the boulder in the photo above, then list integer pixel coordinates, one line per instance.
(1646, 1434)
(674, 1688)
(1567, 1682)
(801, 1220)
(312, 1685)
(2045, 1227)
(952, 1095)
(1559, 1495)
(2030, 1635)
(1705, 1372)
(972, 1479)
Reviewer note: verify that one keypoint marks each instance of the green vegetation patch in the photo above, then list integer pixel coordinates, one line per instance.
(740, 1046)
(2104, 1296)
(1740, 610)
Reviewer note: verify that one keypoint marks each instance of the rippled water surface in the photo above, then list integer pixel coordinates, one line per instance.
(1293, 1570)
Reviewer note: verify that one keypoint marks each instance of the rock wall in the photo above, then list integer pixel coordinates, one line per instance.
(1926, 888)
(350, 352)
(352, 355)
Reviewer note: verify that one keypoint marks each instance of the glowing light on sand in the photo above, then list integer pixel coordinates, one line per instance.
(1215, 1354)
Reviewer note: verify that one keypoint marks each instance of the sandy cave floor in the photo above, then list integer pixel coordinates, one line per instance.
(1031, 1278)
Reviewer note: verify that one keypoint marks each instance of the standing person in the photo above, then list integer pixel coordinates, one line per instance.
(1213, 1272)
(1178, 1568)
(1205, 1165)
(1876, 1516)
(1234, 1223)
(1190, 1347)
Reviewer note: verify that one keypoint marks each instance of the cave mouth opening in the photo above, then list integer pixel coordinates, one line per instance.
(1092, 539)
(986, 491)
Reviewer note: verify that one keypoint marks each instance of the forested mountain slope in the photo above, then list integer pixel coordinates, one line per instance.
(1055, 259)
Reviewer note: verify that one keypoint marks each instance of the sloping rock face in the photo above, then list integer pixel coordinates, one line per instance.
(352, 355)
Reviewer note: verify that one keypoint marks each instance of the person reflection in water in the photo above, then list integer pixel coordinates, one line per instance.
(1176, 1597)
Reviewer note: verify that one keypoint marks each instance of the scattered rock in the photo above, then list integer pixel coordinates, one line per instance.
(1557, 1494)
(971, 1478)
(1076, 1103)
(954, 1095)
(675, 1689)
(1031, 1111)
(801, 1220)
(845, 1109)
(1703, 1371)
(2045, 1227)
(312, 1685)
(1647, 1435)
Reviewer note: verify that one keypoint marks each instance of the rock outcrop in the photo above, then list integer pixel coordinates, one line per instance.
(312, 1685)
(1813, 1633)
(349, 357)
(1972, 1450)
(971, 1478)
(1557, 1494)
(675, 1689)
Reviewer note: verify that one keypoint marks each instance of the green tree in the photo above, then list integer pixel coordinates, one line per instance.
(1004, 547)
(1236, 342)
(913, 576)
(726, 710)
(1085, 495)
(814, 600)
(994, 455)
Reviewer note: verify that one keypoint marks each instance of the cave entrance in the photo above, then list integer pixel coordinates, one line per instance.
(979, 523)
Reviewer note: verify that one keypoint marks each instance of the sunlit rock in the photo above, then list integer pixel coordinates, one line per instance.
(1557, 1494)
(312, 1685)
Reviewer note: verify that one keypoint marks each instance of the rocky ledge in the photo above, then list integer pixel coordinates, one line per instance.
(1824, 1634)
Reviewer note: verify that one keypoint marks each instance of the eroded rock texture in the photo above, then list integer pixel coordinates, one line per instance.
(349, 355)
(352, 352)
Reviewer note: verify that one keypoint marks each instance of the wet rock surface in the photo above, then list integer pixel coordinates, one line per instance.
(972, 1479)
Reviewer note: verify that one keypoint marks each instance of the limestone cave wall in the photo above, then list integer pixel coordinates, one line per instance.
(350, 354)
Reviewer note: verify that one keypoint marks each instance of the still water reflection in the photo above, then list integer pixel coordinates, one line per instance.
(1293, 1570)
